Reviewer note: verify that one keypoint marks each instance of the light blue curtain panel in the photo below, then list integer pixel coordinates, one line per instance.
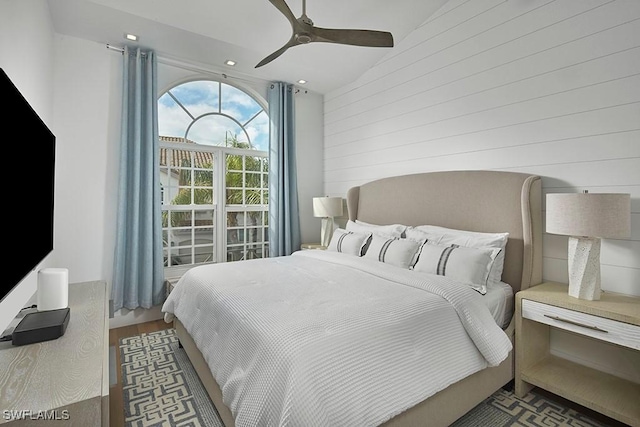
(138, 266)
(284, 219)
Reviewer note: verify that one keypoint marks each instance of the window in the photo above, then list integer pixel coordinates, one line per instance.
(214, 174)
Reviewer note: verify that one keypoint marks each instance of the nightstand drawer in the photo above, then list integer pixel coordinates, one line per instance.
(620, 333)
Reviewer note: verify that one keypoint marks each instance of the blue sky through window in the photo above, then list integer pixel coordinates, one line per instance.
(219, 110)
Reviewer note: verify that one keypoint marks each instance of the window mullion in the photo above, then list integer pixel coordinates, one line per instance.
(220, 212)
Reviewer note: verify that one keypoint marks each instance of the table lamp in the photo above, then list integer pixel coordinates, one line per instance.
(327, 208)
(586, 218)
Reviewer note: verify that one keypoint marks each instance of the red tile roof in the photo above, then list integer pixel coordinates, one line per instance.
(179, 156)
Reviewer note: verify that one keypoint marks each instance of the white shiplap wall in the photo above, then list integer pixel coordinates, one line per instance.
(536, 86)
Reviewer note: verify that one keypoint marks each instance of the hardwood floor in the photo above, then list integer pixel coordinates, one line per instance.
(116, 407)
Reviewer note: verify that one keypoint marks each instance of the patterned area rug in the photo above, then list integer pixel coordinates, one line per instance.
(161, 388)
(504, 409)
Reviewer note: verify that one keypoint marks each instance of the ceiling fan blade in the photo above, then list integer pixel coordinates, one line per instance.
(292, 42)
(282, 6)
(369, 38)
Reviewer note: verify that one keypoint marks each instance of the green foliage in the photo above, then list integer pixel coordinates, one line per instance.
(244, 183)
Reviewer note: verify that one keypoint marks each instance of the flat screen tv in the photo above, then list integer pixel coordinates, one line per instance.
(29, 186)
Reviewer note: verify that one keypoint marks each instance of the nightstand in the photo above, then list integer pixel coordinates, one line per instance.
(308, 246)
(615, 318)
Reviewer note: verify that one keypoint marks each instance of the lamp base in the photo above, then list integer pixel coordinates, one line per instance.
(584, 268)
(326, 232)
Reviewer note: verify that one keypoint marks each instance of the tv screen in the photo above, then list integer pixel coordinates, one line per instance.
(29, 191)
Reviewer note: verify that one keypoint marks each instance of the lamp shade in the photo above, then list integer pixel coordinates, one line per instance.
(327, 207)
(599, 215)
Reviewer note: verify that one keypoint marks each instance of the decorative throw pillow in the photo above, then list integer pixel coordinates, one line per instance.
(392, 230)
(470, 266)
(348, 242)
(399, 252)
(472, 239)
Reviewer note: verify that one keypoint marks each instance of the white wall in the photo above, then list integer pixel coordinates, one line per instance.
(26, 55)
(75, 85)
(87, 84)
(309, 148)
(543, 87)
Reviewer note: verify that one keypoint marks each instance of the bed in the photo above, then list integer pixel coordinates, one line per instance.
(389, 390)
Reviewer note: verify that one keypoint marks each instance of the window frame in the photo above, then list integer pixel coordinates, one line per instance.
(219, 152)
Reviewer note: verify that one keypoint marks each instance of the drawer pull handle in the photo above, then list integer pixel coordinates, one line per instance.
(560, 319)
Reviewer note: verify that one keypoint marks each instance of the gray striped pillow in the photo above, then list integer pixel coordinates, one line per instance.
(470, 266)
(348, 242)
(471, 239)
(394, 251)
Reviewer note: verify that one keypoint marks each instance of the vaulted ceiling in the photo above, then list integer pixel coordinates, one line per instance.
(208, 32)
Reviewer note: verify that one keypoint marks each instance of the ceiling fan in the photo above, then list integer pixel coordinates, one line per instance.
(305, 32)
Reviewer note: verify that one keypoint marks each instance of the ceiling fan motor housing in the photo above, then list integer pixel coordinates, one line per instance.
(303, 38)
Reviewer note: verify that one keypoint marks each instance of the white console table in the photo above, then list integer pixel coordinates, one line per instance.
(66, 379)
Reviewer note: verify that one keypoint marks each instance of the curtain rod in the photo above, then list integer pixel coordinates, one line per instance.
(195, 68)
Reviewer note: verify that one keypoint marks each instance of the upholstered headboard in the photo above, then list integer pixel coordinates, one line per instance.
(484, 201)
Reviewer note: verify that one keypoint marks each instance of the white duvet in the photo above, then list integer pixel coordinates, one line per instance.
(327, 339)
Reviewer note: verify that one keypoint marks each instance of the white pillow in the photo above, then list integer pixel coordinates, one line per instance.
(470, 266)
(399, 252)
(472, 239)
(348, 242)
(393, 230)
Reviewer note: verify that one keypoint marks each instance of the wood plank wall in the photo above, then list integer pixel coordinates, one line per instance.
(549, 87)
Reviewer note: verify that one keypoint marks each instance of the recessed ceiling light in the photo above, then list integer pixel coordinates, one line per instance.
(230, 62)
(131, 37)
(302, 81)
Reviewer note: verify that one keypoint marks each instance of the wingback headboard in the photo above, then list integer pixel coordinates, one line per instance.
(484, 201)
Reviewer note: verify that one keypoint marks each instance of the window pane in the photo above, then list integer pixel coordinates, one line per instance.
(182, 197)
(204, 254)
(238, 104)
(253, 235)
(235, 236)
(258, 130)
(181, 158)
(203, 177)
(216, 130)
(235, 197)
(204, 218)
(235, 162)
(253, 180)
(173, 121)
(171, 257)
(203, 196)
(252, 163)
(235, 218)
(234, 179)
(254, 252)
(199, 97)
(252, 197)
(181, 219)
